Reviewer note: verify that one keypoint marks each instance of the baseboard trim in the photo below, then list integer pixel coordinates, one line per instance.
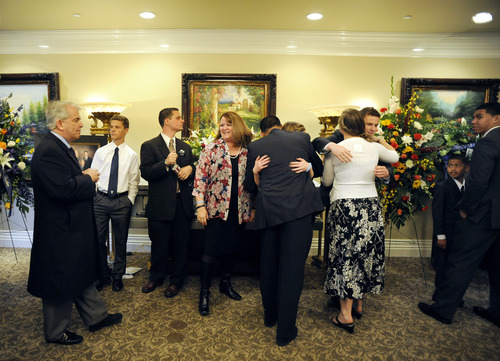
(141, 243)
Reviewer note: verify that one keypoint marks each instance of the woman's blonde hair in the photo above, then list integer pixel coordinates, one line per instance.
(293, 127)
(242, 135)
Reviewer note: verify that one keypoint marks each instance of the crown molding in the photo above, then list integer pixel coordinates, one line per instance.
(242, 41)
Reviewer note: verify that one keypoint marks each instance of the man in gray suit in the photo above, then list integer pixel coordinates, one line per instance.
(477, 233)
(285, 204)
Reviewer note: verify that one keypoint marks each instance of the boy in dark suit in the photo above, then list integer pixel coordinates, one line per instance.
(445, 213)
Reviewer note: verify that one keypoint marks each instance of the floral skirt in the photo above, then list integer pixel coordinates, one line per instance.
(356, 259)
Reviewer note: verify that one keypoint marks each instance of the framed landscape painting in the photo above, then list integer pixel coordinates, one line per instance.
(32, 91)
(205, 97)
(450, 99)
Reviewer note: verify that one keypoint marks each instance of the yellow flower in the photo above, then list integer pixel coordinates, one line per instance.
(32, 150)
(416, 184)
(7, 205)
(18, 140)
(401, 167)
(396, 133)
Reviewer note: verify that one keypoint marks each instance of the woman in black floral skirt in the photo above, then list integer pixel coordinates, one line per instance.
(356, 256)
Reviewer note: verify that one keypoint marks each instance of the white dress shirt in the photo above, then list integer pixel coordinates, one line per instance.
(128, 169)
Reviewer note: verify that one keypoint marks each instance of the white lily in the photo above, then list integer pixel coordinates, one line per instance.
(5, 159)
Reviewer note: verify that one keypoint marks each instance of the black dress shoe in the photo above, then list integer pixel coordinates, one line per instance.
(111, 319)
(427, 310)
(117, 285)
(283, 341)
(68, 338)
(484, 313)
(226, 288)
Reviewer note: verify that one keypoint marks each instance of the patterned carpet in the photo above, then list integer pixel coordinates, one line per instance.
(157, 328)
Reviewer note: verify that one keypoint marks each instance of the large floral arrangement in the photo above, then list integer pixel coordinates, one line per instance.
(202, 137)
(409, 132)
(16, 148)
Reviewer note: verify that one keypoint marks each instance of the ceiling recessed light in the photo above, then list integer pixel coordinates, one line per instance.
(315, 16)
(43, 46)
(481, 18)
(418, 49)
(164, 45)
(292, 46)
(407, 17)
(147, 15)
(76, 15)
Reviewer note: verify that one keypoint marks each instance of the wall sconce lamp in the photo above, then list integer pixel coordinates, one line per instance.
(103, 111)
(328, 116)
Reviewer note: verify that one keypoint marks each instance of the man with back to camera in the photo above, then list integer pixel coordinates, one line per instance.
(117, 188)
(167, 163)
(477, 233)
(64, 262)
(285, 204)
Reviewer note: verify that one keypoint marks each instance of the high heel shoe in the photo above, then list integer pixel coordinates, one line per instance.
(226, 288)
(357, 314)
(349, 327)
(203, 307)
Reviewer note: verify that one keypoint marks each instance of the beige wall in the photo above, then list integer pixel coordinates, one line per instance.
(151, 82)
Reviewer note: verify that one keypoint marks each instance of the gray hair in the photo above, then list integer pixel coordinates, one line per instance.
(57, 110)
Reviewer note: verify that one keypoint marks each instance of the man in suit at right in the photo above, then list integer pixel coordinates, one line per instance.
(285, 205)
(167, 164)
(478, 230)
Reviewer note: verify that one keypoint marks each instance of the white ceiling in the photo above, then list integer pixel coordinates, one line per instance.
(443, 28)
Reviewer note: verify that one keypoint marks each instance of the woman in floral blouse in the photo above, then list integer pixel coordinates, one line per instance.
(222, 205)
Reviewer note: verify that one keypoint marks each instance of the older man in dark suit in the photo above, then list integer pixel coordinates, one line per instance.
(285, 203)
(167, 164)
(64, 263)
(478, 230)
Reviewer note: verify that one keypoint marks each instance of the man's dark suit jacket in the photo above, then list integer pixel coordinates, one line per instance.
(64, 253)
(482, 197)
(163, 182)
(283, 195)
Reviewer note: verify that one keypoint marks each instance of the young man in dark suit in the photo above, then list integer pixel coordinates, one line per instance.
(478, 230)
(445, 213)
(285, 205)
(64, 258)
(167, 164)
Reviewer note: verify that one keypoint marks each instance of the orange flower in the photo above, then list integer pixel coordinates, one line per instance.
(405, 198)
(396, 177)
(404, 156)
(425, 208)
(417, 177)
(4, 131)
(398, 111)
(400, 211)
(3, 145)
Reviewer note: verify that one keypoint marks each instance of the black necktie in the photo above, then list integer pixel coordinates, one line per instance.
(113, 175)
(462, 190)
